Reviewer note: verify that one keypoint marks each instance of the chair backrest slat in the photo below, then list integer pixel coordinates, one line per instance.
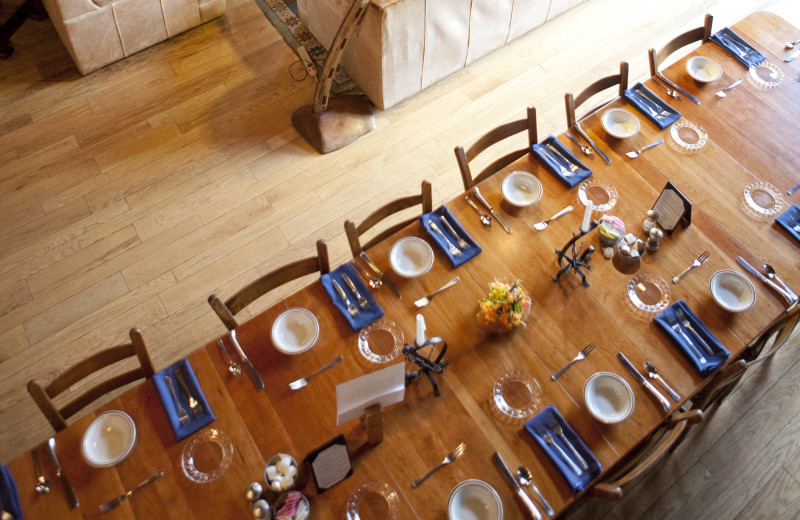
(573, 102)
(698, 34)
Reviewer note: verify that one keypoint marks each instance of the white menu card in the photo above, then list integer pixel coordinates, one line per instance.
(386, 386)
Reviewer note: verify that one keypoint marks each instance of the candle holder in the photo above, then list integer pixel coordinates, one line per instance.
(428, 364)
(577, 259)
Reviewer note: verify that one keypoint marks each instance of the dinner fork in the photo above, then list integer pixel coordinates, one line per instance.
(688, 326)
(559, 431)
(463, 244)
(697, 263)
(453, 455)
(422, 302)
(652, 106)
(183, 417)
(724, 92)
(350, 307)
(111, 504)
(303, 381)
(671, 319)
(548, 438)
(362, 302)
(194, 404)
(573, 168)
(636, 153)
(581, 355)
(585, 149)
(453, 249)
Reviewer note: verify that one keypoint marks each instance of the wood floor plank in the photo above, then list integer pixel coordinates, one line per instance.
(778, 499)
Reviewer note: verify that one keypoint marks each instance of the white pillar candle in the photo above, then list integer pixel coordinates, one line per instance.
(587, 217)
(420, 330)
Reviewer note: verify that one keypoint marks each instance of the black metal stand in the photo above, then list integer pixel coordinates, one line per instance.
(578, 259)
(426, 364)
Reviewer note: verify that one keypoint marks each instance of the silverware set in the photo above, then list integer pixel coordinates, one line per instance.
(486, 220)
(381, 276)
(770, 280)
(194, 404)
(644, 382)
(233, 368)
(72, 498)
(674, 95)
(303, 381)
(111, 504)
(251, 370)
(569, 460)
(696, 263)
(183, 416)
(652, 106)
(581, 356)
(452, 248)
(361, 300)
(585, 149)
(672, 319)
(343, 295)
(652, 373)
(525, 477)
(42, 484)
(561, 160)
(501, 466)
(449, 459)
(677, 87)
(491, 210)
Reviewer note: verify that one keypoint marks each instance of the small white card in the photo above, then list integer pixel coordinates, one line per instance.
(386, 386)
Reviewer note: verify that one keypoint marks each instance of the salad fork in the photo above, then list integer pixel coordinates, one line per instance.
(463, 244)
(350, 307)
(548, 438)
(581, 355)
(724, 92)
(194, 404)
(453, 455)
(697, 263)
(303, 381)
(183, 417)
(111, 504)
(453, 249)
(671, 319)
(688, 326)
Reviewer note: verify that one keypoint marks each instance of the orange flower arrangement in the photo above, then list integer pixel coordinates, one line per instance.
(505, 308)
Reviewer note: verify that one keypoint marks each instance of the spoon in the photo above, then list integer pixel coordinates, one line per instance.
(233, 368)
(42, 484)
(486, 220)
(773, 276)
(790, 45)
(724, 92)
(526, 479)
(670, 92)
(585, 149)
(653, 373)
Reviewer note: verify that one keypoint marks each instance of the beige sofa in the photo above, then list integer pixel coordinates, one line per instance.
(99, 32)
(405, 46)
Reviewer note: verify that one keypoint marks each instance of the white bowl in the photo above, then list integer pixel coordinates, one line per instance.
(109, 439)
(411, 257)
(732, 291)
(295, 331)
(474, 500)
(703, 69)
(521, 189)
(608, 397)
(620, 123)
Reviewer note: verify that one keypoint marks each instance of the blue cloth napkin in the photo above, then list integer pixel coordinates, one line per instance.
(541, 420)
(789, 220)
(195, 423)
(364, 316)
(645, 101)
(466, 253)
(712, 361)
(556, 164)
(737, 47)
(9, 497)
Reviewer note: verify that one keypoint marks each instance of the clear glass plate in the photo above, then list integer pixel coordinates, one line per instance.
(648, 293)
(207, 456)
(381, 341)
(766, 75)
(516, 396)
(601, 195)
(762, 199)
(687, 136)
(373, 500)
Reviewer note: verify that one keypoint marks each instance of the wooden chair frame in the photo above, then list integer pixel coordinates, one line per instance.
(702, 33)
(275, 278)
(58, 416)
(354, 231)
(600, 85)
(491, 138)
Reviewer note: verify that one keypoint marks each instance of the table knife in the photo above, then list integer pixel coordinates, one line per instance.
(596, 148)
(385, 279)
(766, 280)
(72, 498)
(676, 87)
(795, 53)
(495, 214)
(794, 188)
(501, 466)
(251, 370)
(644, 382)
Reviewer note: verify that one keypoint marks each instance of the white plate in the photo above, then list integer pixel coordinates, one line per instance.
(109, 439)
(620, 123)
(474, 500)
(295, 331)
(521, 189)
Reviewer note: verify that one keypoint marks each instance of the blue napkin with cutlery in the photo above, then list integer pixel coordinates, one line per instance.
(712, 362)
(737, 47)
(195, 423)
(435, 216)
(9, 496)
(556, 165)
(365, 316)
(541, 421)
(650, 105)
(789, 220)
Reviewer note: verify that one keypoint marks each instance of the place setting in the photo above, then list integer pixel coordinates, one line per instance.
(691, 337)
(560, 161)
(651, 106)
(449, 236)
(351, 296)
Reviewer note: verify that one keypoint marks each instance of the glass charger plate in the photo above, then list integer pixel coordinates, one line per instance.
(373, 500)
(601, 195)
(207, 456)
(648, 293)
(687, 136)
(762, 199)
(516, 396)
(766, 75)
(381, 341)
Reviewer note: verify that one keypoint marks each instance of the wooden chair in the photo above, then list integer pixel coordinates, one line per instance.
(258, 288)
(598, 86)
(354, 231)
(58, 416)
(702, 33)
(491, 138)
(647, 455)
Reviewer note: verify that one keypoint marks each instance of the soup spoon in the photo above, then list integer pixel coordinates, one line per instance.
(42, 484)
(526, 479)
(773, 276)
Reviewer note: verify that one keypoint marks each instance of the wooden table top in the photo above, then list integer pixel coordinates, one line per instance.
(749, 139)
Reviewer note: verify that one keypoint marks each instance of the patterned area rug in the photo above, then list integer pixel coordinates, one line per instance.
(283, 15)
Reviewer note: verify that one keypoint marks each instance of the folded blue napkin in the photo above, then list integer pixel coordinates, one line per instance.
(789, 220)
(9, 497)
(737, 47)
(466, 253)
(364, 316)
(195, 423)
(557, 165)
(541, 421)
(712, 361)
(650, 105)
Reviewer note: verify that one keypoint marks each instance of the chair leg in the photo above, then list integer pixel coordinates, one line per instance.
(31, 8)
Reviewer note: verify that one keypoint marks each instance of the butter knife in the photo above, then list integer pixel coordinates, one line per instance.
(795, 53)
(596, 148)
(503, 468)
(385, 279)
(72, 498)
(644, 382)
(491, 210)
(251, 370)
(676, 87)
(766, 280)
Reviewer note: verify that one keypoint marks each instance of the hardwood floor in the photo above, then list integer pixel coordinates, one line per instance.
(130, 195)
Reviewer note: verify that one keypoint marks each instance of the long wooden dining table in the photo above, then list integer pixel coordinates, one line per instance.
(750, 138)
